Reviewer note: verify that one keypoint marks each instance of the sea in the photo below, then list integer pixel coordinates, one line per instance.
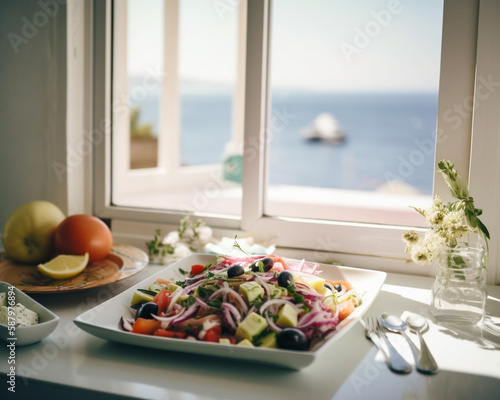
(388, 137)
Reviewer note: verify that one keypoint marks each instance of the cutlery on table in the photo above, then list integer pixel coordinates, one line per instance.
(393, 358)
(422, 359)
(398, 363)
(425, 360)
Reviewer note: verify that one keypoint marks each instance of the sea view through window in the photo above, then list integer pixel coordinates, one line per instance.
(353, 96)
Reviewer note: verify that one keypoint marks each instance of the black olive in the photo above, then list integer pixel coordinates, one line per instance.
(262, 265)
(146, 310)
(235, 270)
(292, 339)
(338, 287)
(285, 279)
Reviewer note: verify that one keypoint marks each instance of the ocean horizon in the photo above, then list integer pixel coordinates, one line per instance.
(388, 136)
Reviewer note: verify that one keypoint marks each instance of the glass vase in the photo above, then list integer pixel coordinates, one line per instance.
(459, 291)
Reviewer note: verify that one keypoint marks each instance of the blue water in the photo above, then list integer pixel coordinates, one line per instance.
(388, 136)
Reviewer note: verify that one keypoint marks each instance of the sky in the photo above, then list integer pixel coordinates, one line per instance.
(339, 45)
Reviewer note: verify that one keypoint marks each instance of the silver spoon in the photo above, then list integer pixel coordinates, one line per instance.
(396, 324)
(425, 359)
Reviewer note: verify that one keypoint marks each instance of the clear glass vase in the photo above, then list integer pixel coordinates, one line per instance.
(459, 291)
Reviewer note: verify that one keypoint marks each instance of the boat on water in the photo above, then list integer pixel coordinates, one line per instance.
(324, 128)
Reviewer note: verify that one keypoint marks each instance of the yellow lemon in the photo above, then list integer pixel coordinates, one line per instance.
(64, 266)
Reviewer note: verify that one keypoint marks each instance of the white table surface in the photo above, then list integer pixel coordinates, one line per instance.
(74, 364)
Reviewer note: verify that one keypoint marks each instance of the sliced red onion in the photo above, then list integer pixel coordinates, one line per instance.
(217, 267)
(171, 318)
(314, 310)
(199, 276)
(224, 269)
(272, 324)
(267, 276)
(125, 324)
(220, 292)
(308, 295)
(264, 285)
(227, 290)
(177, 308)
(317, 319)
(243, 261)
(188, 313)
(190, 288)
(306, 319)
(165, 321)
(305, 287)
(201, 303)
(303, 268)
(174, 298)
(234, 310)
(228, 319)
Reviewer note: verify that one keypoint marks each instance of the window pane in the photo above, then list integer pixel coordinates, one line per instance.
(207, 70)
(354, 90)
(144, 63)
(183, 65)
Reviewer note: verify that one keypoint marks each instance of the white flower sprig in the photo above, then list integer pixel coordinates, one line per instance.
(190, 238)
(449, 222)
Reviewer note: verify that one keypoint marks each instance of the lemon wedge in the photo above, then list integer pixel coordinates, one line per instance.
(64, 266)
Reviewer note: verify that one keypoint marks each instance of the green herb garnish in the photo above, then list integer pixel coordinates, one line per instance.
(216, 304)
(158, 249)
(188, 302)
(237, 245)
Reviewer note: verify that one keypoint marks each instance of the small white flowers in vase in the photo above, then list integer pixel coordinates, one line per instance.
(449, 222)
(189, 238)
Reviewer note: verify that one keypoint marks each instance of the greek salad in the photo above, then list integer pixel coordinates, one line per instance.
(261, 301)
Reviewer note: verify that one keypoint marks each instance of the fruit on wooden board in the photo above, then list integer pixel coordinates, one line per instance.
(28, 234)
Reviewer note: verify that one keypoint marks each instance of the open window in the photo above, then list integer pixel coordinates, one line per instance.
(314, 124)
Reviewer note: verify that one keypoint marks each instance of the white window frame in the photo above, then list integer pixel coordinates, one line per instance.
(168, 170)
(469, 56)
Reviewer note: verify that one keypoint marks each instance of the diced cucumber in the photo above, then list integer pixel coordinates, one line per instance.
(251, 291)
(277, 291)
(287, 316)
(251, 326)
(245, 342)
(172, 287)
(154, 287)
(140, 297)
(268, 341)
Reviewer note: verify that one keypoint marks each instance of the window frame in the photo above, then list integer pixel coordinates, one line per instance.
(468, 39)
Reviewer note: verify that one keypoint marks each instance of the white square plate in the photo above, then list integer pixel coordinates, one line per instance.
(103, 320)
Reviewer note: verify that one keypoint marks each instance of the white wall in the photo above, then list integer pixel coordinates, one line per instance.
(32, 102)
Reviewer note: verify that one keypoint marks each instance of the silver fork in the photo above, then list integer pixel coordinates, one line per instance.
(393, 359)
(372, 334)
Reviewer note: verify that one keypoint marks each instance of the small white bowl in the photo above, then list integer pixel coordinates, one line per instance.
(47, 320)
